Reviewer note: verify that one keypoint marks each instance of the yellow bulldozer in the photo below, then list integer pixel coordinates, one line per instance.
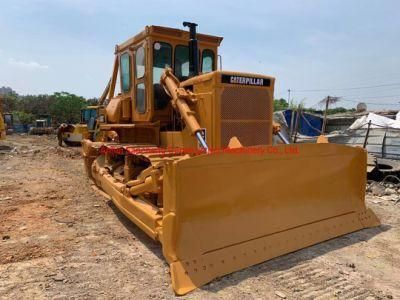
(191, 161)
(3, 127)
(73, 134)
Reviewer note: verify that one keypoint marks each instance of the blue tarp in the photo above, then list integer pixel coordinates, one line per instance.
(19, 128)
(305, 128)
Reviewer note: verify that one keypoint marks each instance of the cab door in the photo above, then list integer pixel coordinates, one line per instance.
(141, 107)
(161, 59)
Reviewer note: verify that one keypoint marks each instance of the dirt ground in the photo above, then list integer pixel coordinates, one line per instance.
(61, 240)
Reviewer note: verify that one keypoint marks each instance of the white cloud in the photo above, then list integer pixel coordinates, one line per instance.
(26, 65)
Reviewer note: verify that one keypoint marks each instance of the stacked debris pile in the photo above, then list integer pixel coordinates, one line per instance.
(41, 130)
(39, 148)
(387, 190)
(379, 134)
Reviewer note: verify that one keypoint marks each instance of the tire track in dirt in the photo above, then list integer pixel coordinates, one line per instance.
(310, 280)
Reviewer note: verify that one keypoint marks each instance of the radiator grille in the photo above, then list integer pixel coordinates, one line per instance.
(246, 114)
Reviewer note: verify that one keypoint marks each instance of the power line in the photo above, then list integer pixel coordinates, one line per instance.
(370, 97)
(370, 103)
(360, 80)
(358, 101)
(370, 93)
(348, 88)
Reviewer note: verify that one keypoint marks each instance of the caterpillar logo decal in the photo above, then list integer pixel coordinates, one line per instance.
(245, 80)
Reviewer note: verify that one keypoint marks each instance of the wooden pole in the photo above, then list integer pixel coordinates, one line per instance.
(291, 125)
(367, 135)
(298, 112)
(325, 113)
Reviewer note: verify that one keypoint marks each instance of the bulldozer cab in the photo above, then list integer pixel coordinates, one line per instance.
(139, 63)
(88, 113)
(89, 117)
(41, 123)
(142, 100)
(9, 121)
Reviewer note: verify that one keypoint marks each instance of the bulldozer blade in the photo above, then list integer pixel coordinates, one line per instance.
(225, 212)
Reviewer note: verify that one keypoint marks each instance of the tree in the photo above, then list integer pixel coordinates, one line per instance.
(280, 104)
(36, 104)
(9, 99)
(331, 111)
(66, 107)
(92, 101)
(23, 117)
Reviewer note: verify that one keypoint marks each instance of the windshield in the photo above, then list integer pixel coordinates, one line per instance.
(207, 61)
(162, 58)
(86, 114)
(181, 65)
(125, 72)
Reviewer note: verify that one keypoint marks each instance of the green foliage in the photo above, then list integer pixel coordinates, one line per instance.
(280, 104)
(24, 117)
(331, 111)
(63, 107)
(92, 101)
(35, 104)
(8, 99)
(337, 110)
(66, 107)
(9, 103)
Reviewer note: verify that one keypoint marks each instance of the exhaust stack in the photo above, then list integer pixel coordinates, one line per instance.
(193, 49)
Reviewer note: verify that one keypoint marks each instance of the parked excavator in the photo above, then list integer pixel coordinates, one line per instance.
(192, 162)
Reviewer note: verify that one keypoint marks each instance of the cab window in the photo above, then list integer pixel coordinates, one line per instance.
(140, 62)
(140, 86)
(140, 98)
(181, 65)
(87, 114)
(125, 62)
(207, 61)
(162, 58)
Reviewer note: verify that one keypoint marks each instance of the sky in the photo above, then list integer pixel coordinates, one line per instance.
(349, 49)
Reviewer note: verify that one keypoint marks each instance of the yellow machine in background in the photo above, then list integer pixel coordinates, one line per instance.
(43, 125)
(194, 166)
(3, 128)
(73, 134)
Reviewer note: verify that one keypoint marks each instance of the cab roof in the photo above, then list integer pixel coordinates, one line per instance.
(169, 33)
